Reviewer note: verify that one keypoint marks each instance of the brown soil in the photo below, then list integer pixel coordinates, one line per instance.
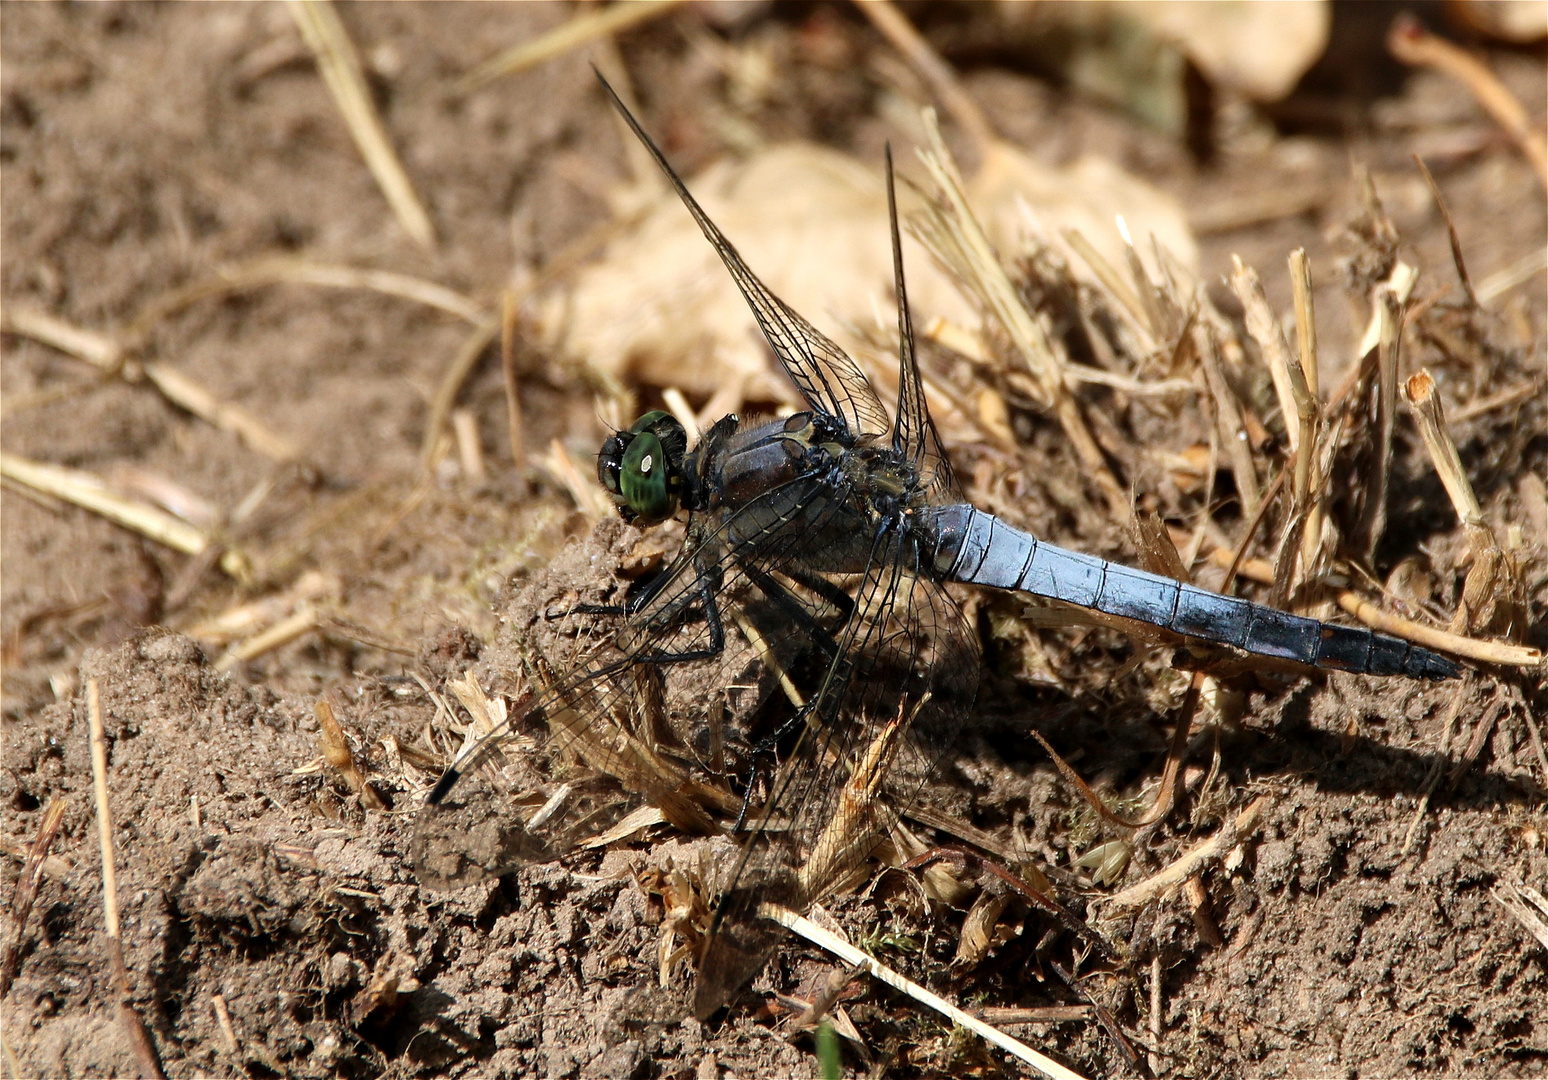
(143, 146)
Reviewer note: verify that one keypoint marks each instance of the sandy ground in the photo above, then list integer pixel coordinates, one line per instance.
(272, 925)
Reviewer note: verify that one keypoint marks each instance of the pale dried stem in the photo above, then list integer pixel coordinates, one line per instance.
(88, 491)
(1194, 860)
(935, 71)
(341, 71)
(836, 945)
(1488, 652)
(111, 357)
(572, 34)
(470, 450)
(950, 228)
(282, 633)
(1419, 392)
(1490, 579)
(513, 421)
(450, 386)
(1414, 45)
(133, 1026)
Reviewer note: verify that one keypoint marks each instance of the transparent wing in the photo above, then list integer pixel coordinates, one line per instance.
(899, 688)
(827, 378)
(913, 431)
(604, 720)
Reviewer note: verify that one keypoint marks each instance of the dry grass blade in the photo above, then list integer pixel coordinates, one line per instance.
(289, 270)
(87, 491)
(280, 634)
(1304, 388)
(450, 386)
(27, 889)
(341, 757)
(1451, 232)
(185, 392)
(1414, 45)
(1372, 521)
(588, 495)
(1194, 860)
(110, 356)
(1492, 584)
(1519, 272)
(341, 70)
(513, 423)
(578, 31)
(836, 945)
(96, 349)
(133, 1026)
(948, 227)
(1528, 906)
(1230, 422)
(1128, 300)
(896, 28)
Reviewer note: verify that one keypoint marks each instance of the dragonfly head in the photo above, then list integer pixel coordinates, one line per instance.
(643, 468)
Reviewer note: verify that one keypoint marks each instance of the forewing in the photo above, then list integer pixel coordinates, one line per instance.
(827, 378)
(913, 430)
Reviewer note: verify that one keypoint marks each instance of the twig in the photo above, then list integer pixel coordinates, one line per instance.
(845, 951)
(896, 28)
(574, 33)
(1194, 859)
(340, 67)
(1451, 232)
(87, 491)
(508, 374)
(1527, 905)
(450, 386)
(1105, 1018)
(223, 1018)
(113, 358)
(1153, 1056)
(1414, 45)
(27, 889)
(139, 1039)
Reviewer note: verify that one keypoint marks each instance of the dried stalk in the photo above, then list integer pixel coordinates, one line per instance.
(952, 232)
(849, 954)
(133, 1026)
(1416, 46)
(341, 71)
(87, 491)
(579, 30)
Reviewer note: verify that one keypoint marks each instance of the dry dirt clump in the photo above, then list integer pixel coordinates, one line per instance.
(293, 487)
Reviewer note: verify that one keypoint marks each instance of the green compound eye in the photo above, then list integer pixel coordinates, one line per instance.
(643, 480)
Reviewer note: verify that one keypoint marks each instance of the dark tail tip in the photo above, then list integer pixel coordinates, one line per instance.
(448, 779)
(1424, 664)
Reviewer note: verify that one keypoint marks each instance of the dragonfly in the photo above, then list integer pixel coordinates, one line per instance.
(816, 550)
